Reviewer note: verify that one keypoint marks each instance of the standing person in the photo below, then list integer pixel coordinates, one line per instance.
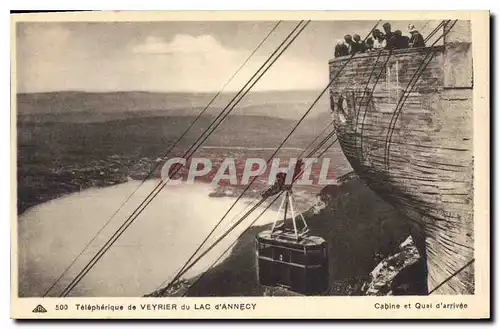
(416, 39)
(351, 46)
(359, 43)
(387, 29)
(402, 41)
(341, 49)
(390, 37)
(369, 44)
(379, 39)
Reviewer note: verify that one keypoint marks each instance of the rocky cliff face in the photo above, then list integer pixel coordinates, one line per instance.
(401, 273)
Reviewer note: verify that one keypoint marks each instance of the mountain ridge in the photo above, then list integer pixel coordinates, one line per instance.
(289, 104)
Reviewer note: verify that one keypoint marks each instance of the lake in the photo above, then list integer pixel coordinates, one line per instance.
(151, 251)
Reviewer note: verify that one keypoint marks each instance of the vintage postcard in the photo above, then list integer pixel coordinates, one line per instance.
(272, 165)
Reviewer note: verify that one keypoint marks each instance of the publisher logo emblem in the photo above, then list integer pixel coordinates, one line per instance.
(39, 309)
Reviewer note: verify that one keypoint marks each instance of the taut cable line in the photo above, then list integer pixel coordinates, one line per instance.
(186, 267)
(272, 59)
(183, 134)
(370, 96)
(409, 88)
(365, 89)
(199, 278)
(452, 276)
(251, 224)
(435, 30)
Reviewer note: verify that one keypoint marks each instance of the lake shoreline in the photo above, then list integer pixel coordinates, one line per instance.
(169, 226)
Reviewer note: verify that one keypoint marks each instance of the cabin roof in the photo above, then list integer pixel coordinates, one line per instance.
(307, 241)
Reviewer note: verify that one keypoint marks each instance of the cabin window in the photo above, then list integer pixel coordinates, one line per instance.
(281, 254)
(298, 257)
(316, 257)
(265, 250)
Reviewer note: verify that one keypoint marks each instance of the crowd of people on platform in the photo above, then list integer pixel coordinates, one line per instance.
(387, 40)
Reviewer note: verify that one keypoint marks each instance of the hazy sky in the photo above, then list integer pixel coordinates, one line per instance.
(174, 56)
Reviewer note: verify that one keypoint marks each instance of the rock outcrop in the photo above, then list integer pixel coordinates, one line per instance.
(398, 274)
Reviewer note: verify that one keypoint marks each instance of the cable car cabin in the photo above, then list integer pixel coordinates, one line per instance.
(299, 265)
